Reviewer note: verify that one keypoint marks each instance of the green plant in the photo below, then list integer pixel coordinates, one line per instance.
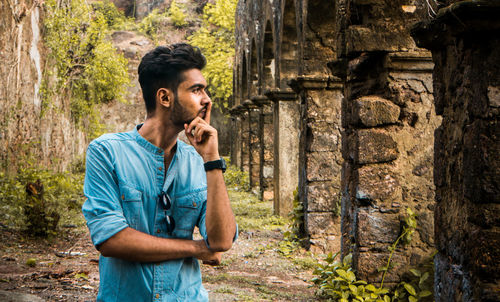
(216, 39)
(176, 15)
(296, 230)
(150, 25)
(37, 199)
(236, 178)
(337, 280)
(87, 68)
(115, 19)
(409, 226)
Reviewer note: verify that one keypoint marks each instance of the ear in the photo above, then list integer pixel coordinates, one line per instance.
(165, 97)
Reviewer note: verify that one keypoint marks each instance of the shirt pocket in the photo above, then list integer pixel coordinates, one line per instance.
(132, 205)
(187, 210)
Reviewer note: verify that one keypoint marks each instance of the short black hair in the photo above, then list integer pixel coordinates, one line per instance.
(162, 67)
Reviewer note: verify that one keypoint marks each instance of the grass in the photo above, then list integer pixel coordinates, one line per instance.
(254, 214)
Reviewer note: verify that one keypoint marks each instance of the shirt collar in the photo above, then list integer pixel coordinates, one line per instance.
(145, 143)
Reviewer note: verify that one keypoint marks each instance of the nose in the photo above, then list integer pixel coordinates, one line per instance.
(206, 98)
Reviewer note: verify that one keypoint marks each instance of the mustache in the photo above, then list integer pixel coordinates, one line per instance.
(204, 109)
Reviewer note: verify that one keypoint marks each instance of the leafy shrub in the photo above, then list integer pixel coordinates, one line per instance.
(236, 178)
(60, 202)
(176, 15)
(88, 69)
(216, 40)
(150, 25)
(115, 19)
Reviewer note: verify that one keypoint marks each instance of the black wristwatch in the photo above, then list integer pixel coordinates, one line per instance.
(216, 164)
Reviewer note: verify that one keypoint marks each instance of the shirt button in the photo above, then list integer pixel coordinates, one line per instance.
(194, 204)
(158, 231)
(123, 197)
(157, 296)
(160, 168)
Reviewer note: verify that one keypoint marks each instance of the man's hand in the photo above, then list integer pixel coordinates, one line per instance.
(203, 137)
(207, 256)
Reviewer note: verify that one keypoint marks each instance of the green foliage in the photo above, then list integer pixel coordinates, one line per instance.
(216, 40)
(176, 15)
(252, 213)
(152, 23)
(62, 194)
(87, 68)
(115, 19)
(236, 178)
(409, 226)
(296, 230)
(337, 281)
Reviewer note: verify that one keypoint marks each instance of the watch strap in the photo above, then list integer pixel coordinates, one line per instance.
(216, 164)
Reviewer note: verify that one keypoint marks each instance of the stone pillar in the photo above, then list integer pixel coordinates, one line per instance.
(244, 140)
(235, 155)
(265, 135)
(465, 42)
(286, 148)
(389, 120)
(320, 159)
(253, 143)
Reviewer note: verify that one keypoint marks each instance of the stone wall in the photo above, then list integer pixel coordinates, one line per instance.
(362, 118)
(389, 121)
(464, 40)
(27, 133)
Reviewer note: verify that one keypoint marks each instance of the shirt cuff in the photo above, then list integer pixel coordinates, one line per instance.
(105, 226)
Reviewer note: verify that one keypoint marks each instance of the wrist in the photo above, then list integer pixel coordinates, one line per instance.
(210, 157)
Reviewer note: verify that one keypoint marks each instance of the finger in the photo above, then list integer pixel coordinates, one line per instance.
(189, 135)
(199, 132)
(209, 113)
(193, 124)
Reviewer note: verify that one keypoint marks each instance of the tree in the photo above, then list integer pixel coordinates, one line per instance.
(216, 40)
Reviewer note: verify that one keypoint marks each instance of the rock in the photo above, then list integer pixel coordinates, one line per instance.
(372, 146)
(374, 111)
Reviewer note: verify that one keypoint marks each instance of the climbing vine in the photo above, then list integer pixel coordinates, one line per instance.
(216, 40)
(87, 68)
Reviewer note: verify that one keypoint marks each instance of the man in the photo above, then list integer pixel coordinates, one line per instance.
(146, 190)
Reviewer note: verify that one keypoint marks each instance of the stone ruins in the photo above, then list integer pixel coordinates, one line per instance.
(370, 107)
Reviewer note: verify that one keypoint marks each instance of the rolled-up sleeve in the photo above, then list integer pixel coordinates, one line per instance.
(102, 209)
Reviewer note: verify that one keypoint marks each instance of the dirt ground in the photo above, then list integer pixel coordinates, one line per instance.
(67, 269)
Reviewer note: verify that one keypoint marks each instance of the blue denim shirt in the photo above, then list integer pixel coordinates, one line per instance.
(124, 176)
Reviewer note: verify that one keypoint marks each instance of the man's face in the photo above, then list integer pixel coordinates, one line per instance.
(191, 99)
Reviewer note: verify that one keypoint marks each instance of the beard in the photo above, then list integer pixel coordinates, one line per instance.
(180, 115)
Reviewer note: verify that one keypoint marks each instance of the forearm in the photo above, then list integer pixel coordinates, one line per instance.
(219, 220)
(130, 244)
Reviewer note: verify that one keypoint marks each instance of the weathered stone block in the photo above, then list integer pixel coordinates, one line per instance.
(321, 166)
(378, 183)
(368, 264)
(376, 228)
(322, 197)
(322, 137)
(323, 105)
(372, 146)
(374, 111)
(320, 244)
(322, 223)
